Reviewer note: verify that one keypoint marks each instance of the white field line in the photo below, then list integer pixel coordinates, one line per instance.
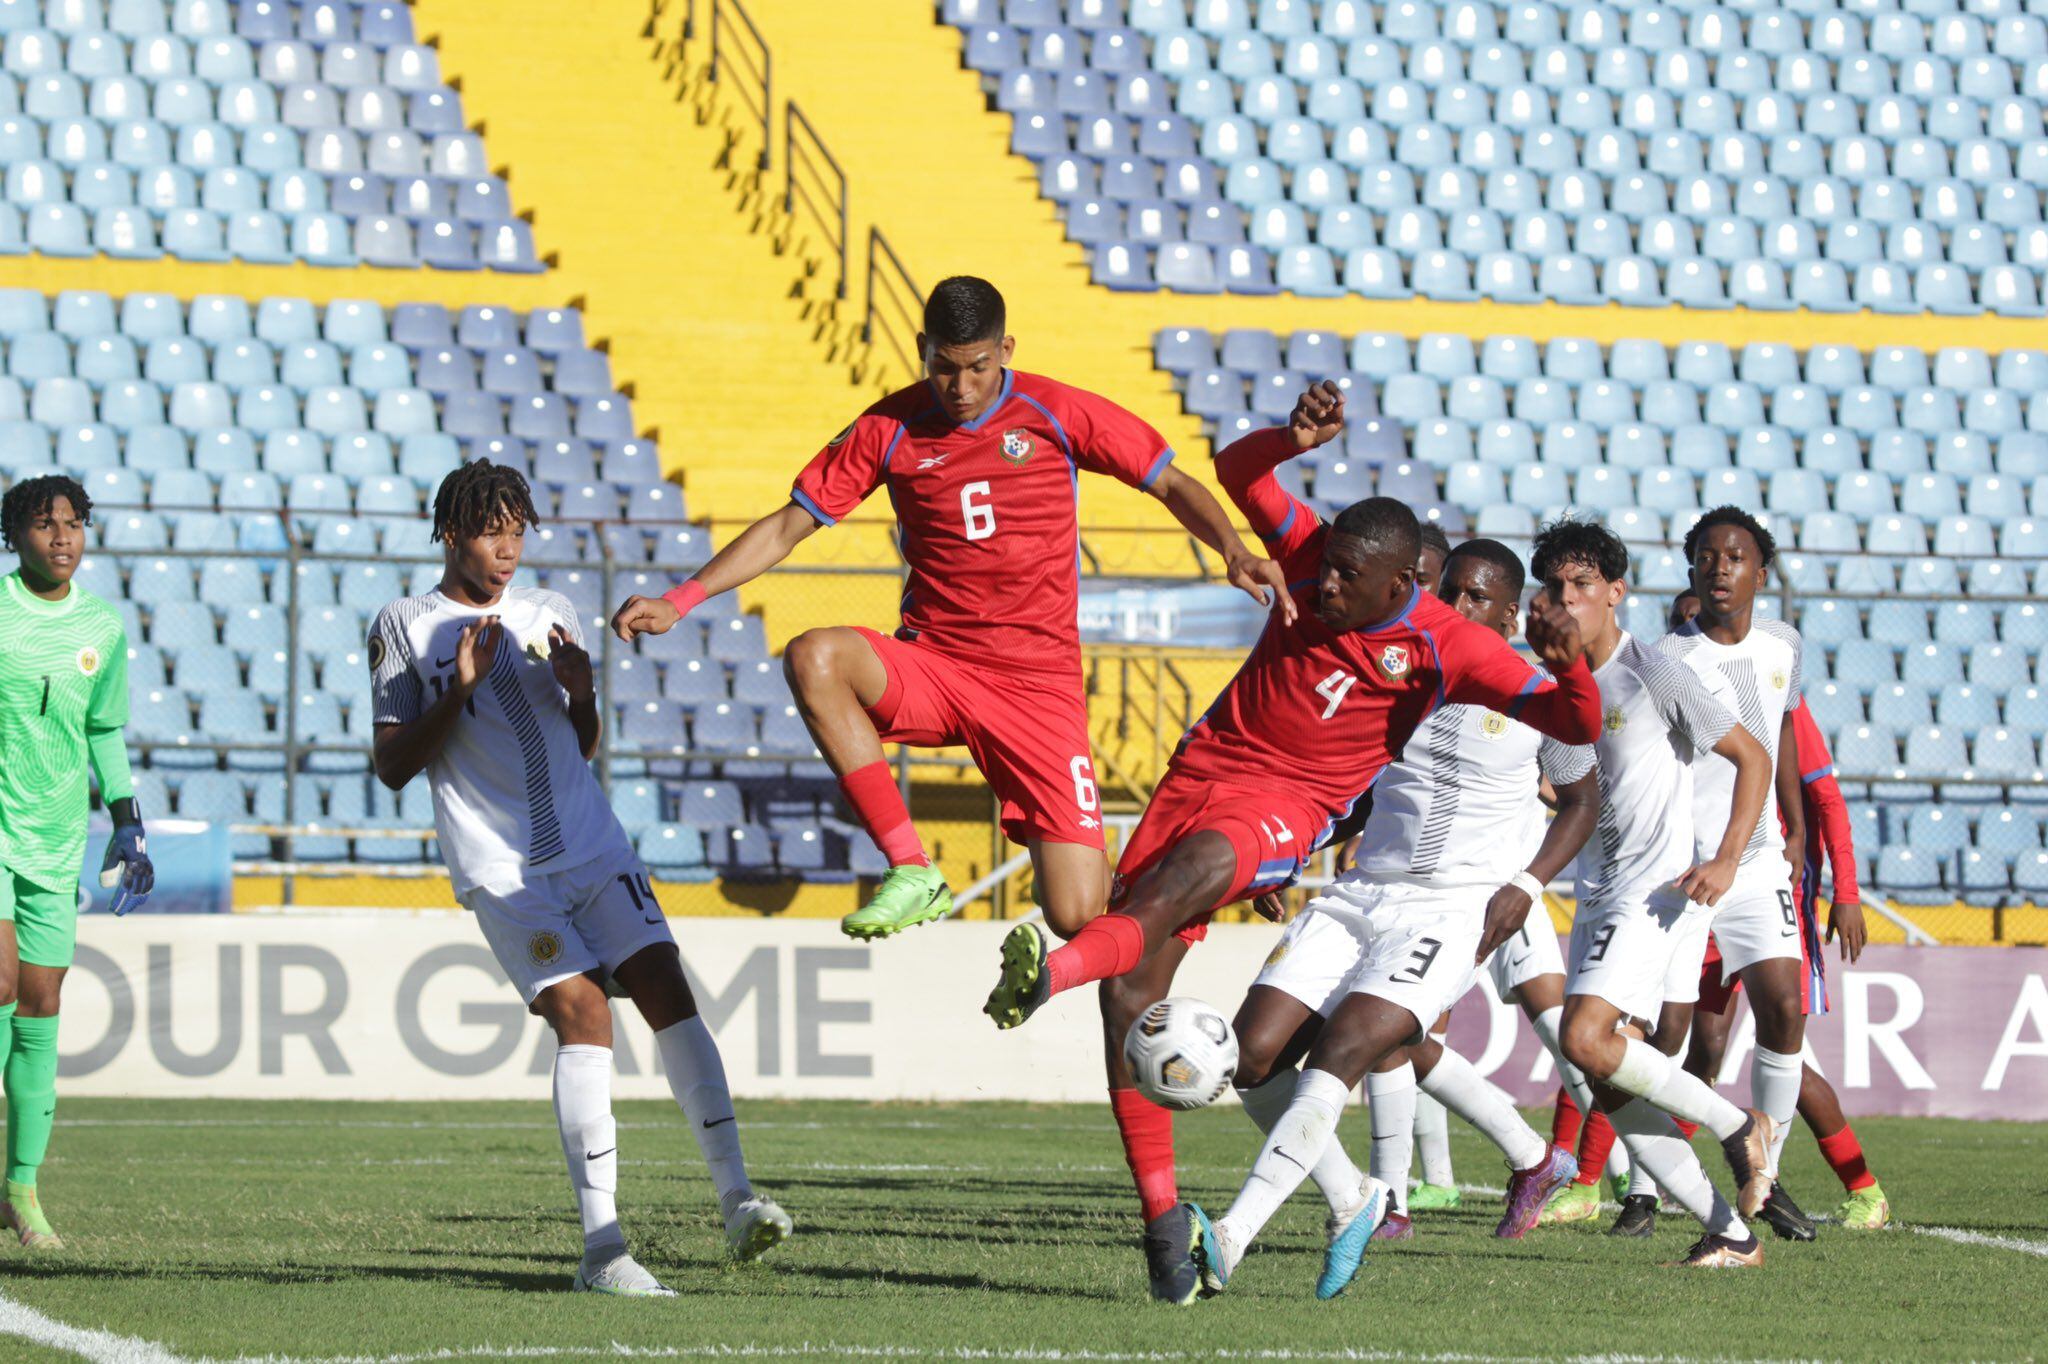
(99, 1347)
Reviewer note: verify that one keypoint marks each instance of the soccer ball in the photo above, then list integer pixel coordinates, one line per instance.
(1182, 1052)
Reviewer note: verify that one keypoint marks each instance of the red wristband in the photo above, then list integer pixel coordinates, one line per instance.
(690, 593)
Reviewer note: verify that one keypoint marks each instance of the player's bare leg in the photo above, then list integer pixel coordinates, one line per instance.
(653, 979)
(1274, 1032)
(835, 677)
(1866, 1208)
(1182, 886)
(1777, 1072)
(1641, 1091)
(1073, 884)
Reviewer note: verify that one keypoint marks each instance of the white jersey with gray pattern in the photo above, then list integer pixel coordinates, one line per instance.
(1655, 714)
(513, 794)
(1459, 807)
(1758, 679)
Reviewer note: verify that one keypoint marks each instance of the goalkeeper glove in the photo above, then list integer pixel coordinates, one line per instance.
(127, 870)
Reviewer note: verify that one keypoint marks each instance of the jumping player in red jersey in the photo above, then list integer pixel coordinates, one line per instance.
(981, 464)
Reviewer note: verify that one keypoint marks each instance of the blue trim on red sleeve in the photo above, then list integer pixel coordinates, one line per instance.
(1158, 467)
(1817, 774)
(894, 441)
(1528, 690)
(802, 499)
(1436, 652)
(1059, 432)
(1293, 510)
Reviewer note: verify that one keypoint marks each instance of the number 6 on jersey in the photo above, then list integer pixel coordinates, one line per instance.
(979, 516)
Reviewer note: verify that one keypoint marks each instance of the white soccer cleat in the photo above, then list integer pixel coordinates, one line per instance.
(622, 1277)
(756, 1227)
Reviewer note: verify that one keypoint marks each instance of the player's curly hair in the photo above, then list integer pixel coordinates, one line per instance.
(963, 310)
(478, 496)
(1433, 537)
(1571, 540)
(1728, 515)
(1386, 525)
(33, 497)
(1499, 555)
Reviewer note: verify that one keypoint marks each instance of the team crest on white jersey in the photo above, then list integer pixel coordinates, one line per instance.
(1394, 661)
(88, 660)
(1779, 680)
(1493, 724)
(1018, 446)
(1616, 720)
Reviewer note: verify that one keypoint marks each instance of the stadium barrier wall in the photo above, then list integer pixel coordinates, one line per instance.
(394, 1005)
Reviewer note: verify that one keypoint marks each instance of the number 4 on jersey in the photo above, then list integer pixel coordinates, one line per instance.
(1332, 688)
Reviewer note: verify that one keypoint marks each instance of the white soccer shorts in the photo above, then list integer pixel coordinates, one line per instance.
(1530, 953)
(1637, 954)
(562, 924)
(1410, 945)
(1756, 920)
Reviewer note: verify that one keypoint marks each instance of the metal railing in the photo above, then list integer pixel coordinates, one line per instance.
(895, 305)
(738, 47)
(813, 178)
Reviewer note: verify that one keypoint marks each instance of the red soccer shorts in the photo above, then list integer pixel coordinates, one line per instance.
(1028, 737)
(1717, 997)
(1271, 835)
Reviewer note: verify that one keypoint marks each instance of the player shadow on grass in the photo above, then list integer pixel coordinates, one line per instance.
(515, 1280)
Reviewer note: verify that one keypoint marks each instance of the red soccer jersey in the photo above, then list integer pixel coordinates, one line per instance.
(990, 529)
(1320, 714)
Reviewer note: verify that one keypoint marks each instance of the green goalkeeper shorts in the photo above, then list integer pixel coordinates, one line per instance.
(45, 921)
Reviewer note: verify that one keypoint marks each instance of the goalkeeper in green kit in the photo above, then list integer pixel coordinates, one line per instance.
(63, 702)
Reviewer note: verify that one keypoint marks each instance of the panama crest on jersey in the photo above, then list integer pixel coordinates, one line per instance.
(1018, 446)
(1394, 661)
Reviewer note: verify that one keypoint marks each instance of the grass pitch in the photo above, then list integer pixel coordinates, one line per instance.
(416, 1232)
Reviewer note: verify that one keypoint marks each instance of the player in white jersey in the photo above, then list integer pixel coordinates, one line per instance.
(1640, 930)
(487, 688)
(1444, 874)
(1754, 666)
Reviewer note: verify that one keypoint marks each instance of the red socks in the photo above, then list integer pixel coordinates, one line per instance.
(1564, 1121)
(1109, 945)
(1147, 1131)
(1845, 1154)
(1596, 1143)
(878, 805)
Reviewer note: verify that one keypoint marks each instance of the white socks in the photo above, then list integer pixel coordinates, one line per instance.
(1292, 1149)
(1654, 1141)
(1433, 1141)
(1391, 1096)
(1649, 1074)
(1334, 1173)
(1774, 1079)
(696, 1076)
(583, 1111)
(1453, 1083)
(1549, 1030)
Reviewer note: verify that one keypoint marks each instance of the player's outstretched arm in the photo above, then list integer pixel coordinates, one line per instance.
(1826, 811)
(1578, 813)
(1481, 668)
(746, 557)
(1245, 466)
(401, 752)
(1254, 574)
(1706, 883)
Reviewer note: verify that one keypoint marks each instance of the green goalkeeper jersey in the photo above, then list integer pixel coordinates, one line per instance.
(63, 676)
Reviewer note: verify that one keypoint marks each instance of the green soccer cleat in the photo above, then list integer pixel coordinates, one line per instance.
(1575, 1202)
(909, 895)
(1866, 1210)
(1432, 1197)
(23, 1214)
(1023, 987)
(756, 1227)
(1617, 1185)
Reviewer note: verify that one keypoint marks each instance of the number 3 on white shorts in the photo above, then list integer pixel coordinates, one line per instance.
(1084, 783)
(1332, 689)
(979, 516)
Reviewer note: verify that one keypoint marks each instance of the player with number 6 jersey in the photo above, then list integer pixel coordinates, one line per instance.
(486, 687)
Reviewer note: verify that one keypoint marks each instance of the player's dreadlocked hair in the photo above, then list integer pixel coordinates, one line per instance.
(1387, 527)
(1492, 552)
(478, 496)
(1766, 543)
(963, 310)
(1569, 540)
(33, 497)
(1433, 538)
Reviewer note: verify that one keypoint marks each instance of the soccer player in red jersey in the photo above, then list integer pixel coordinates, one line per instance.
(981, 464)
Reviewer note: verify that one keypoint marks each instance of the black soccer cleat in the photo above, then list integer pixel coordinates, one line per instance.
(1638, 1216)
(1784, 1216)
(1170, 1257)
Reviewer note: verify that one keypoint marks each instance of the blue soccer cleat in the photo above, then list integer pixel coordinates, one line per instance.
(1346, 1254)
(1208, 1252)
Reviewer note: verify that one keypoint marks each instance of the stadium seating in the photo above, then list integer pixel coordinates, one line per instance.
(1646, 155)
(209, 131)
